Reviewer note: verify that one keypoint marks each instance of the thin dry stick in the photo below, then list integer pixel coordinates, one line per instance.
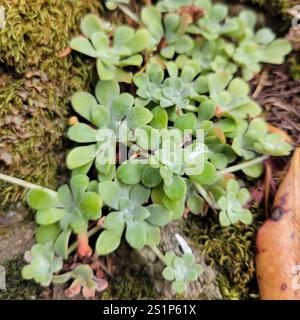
(24, 184)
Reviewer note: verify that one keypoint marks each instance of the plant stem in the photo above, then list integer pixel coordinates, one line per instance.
(94, 230)
(243, 165)
(129, 13)
(206, 196)
(190, 108)
(158, 253)
(24, 184)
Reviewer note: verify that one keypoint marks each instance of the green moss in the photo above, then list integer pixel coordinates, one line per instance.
(16, 287)
(130, 287)
(38, 31)
(274, 6)
(231, 251)
(33, 114)
(34, 109)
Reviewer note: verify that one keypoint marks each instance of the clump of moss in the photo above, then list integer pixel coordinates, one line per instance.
(130, 287)
(33, 119)
(37, 32)
(274, 6)
(16, 287)
(231, 251)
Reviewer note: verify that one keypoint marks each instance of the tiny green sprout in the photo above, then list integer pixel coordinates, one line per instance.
(43, 263)
(181, 270)
(232, 205)
(257, 139)
(168, 34)
(72, 207)
(111, 59)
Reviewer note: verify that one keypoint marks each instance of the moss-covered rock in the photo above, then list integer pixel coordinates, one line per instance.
(36, 81)
(32, 122)
(37, 32)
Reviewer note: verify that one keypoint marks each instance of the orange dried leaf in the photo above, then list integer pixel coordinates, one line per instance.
(65, 52)
(285, 136)
(278, 241)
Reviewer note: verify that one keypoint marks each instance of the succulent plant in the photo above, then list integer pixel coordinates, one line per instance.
(180, 270)
(257, 139)
(43, 263)
(261, 48)
(111, 59)
(214, 55)
(141, 223)
(168, 34)
(231, 205)
(181, 123)
(113, 114)
(233, 102)
(72, 207)
(84, 281)
(214, 22)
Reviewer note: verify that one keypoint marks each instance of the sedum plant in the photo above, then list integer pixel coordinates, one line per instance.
(111, 59)
(180, 270)
(231, 205)
(166, 142)
(43, 263)
(72, 207)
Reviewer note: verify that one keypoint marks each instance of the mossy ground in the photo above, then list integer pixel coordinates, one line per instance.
(127, 286)
(231, 251)
(16, 287)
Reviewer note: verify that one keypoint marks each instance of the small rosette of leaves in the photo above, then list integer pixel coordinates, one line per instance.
(234, 102)
(43, 263)
(112, 56)
(72, 207)
(257, 139)
(113, 115)
(140, 223)
(214, 55)
(257, 47)
(232, 205)
(168, 33)
(84, 281)
(181, 270)
(177, 90)
(215, 22)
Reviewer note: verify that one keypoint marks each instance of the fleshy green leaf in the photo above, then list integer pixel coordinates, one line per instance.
(108, 241)
(62, 242)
